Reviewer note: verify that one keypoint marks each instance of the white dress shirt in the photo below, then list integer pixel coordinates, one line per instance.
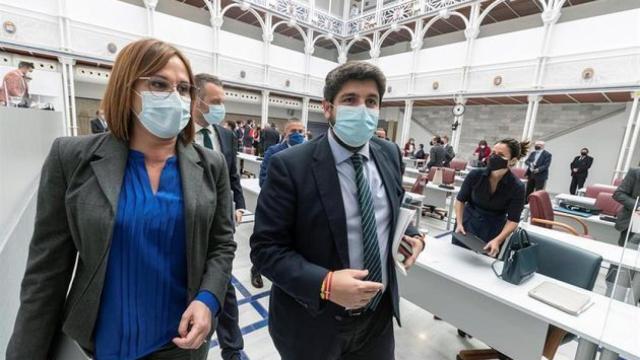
(382, 208)
(213, 132)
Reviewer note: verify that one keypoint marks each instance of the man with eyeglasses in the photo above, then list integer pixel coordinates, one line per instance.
(208, 114)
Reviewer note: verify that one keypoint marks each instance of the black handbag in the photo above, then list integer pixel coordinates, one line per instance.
(520, 259)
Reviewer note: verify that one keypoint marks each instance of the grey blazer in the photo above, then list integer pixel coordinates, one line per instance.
(626, 195)
(77, 202)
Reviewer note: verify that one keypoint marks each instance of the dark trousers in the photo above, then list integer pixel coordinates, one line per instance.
(365, 337)
(577, 182)
(534, 185)
(228, 328)
(172, 352)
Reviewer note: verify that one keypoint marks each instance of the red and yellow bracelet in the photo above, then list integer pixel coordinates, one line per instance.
(325, 290)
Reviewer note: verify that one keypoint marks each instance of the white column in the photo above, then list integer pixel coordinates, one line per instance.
(63, 25)
(416, 46)
(534, 117)
(627, 134)
(455, 134)
(470, 33)
(549, 17)
(305, 111)
(69, 96)
(264, 120)
(534, 101)
(375, 51)
(151, 14)
(216, 21)
(267, 38)
(406, 122)
(308, 52)
(379, 5)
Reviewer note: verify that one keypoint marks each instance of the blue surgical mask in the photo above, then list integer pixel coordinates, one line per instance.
(295, 139)
(215, 115)
(164, 118)
(355, 125)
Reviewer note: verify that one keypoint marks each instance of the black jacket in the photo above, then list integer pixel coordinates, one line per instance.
(228, 145)
(300, 234)
(97, 127)
(270, 137)
(583, 165)
(437, 156)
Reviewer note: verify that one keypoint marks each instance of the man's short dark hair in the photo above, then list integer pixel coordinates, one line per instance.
(353, 70)
(202, 79)
(28, 64)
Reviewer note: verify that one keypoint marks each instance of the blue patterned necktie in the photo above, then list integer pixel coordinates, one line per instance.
(371, 251)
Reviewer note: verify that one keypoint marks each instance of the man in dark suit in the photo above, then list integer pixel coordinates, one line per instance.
(626, 194)
(208, 114)
(448, 149)
(580, 170)
(538, 164)
(99, 124)
(270, 136)
(437, 153)
(323, 231)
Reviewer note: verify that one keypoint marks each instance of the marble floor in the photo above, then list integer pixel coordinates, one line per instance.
(421, 337)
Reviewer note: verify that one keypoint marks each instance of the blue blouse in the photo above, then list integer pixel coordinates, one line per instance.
(145, 287)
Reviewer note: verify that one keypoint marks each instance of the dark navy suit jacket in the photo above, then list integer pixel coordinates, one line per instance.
(300, 234)
(228, 147)
(542, 165)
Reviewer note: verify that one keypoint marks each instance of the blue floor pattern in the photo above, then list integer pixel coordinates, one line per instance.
(247, 298)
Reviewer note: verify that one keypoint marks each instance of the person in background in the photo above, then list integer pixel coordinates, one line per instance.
(580, 170)
(410, 147)
(270, 137)
(99, 124)
(135, 205)
(382, 134)
(209, 113)
(437, 154)
(308, 135)
(538, 164)
(626, 194)
(448, 149)
(231, 126)
(482, 152)
(324, 222)
(293, 135)
(15, 84)
(491, 200)
(420, 154)
(239, 134)
(247, 137)
(257, 140)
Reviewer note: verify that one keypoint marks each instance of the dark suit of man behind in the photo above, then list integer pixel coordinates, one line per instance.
(579, 171)
(538, 164)
(270, 137)
(308, 238)
(98, 124)
(437, 156)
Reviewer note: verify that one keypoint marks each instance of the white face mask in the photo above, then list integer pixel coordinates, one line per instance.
(355, 125)
(164, 117)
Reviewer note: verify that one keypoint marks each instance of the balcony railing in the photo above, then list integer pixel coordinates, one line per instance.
(392, 12)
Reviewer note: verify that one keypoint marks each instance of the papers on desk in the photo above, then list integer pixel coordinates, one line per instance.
(561, 298)
(404, 218)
